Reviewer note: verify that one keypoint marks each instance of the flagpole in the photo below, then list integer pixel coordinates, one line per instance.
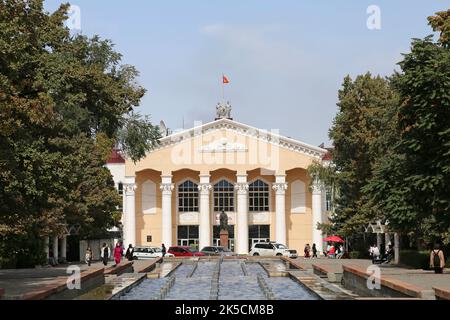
(223, 88)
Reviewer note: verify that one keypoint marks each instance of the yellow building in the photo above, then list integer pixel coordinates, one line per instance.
(259, 178)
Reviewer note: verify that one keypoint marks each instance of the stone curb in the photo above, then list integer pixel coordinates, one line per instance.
(394, 284)
(150, 267)
(59, 285)
(2, 293)
(292, 263)
(332, 275)
(121, 268)
(442, 292)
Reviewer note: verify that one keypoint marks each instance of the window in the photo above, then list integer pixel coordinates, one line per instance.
(120, 190)
(298, 197)
(188, 197)
(187, 232)
(258, 196)
(149, 197)
(223, 196)
(328, 201)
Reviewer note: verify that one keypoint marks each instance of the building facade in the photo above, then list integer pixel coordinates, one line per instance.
(259, 178)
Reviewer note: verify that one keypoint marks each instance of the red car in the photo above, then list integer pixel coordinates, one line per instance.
(184, 251)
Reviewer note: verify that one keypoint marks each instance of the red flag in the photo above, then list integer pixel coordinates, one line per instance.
(225, 79)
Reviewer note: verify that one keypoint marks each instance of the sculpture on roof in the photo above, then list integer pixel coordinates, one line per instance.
(223, 111)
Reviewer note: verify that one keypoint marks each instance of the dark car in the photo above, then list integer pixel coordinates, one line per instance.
(216, 251)
(184, 251)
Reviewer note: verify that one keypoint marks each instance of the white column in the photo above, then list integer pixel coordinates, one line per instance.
(396, 248)
(64, 247)
(387, 239)
(280, 187)
(166, 188)
(205, 216)
(55, 248)
(129, 236)
(47, 247)
(379, 241)
(317, 215)
(242, 214)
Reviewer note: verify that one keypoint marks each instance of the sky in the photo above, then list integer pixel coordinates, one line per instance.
(285, 59)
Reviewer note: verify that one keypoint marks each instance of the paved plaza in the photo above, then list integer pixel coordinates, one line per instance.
(209, 278)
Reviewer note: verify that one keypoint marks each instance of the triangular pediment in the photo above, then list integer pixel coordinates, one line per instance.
(224, 145)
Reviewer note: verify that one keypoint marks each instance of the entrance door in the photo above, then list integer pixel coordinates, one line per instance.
(257, 234)
(183, 242)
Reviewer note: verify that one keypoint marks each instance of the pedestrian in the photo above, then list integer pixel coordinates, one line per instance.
(51, 258)
(105, 254)
(341, 252)
(314, 251)
(307, 250)
(332, 252)
(163, 250)
(375, 253)
(88, 256)
(437, 259)
(328, 249)
(129, 253)
(118, 253)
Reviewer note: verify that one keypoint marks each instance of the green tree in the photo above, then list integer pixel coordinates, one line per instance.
(361, 133)
(411, 183)
(64, 101)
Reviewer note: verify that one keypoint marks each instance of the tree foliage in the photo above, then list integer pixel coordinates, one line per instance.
(359, 133)
(392, 144)
(411, 184)
(64, 99)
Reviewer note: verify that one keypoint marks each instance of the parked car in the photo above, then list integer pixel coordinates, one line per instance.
(266, 249)
(217, 251)
(141, 253)
(184, 251)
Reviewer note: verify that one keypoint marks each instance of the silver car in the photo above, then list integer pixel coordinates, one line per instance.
(217, 251)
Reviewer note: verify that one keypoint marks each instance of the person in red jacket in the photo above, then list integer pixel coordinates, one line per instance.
(118, 253)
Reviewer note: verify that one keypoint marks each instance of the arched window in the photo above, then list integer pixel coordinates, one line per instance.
(149, 197)
(258, 196)
(223, 196)
(188, 197)
(298, 197)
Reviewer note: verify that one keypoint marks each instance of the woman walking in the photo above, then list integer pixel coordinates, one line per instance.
(314, 251)
(118, 253)
(105, 254)
(437, 260)
(129, 253)
(307, 250)
(88, 256)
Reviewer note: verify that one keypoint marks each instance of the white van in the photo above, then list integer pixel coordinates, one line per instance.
(140, 253)
(267, 249)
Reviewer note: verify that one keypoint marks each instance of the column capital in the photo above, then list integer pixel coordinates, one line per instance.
(317, 186)
(166, 187)
(241, 187)
(204, 187)
(280, 187)
(129, 188)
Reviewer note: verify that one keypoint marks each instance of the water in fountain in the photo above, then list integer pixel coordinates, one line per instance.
(237, 280)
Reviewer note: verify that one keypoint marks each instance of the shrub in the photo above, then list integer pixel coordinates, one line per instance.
(415, 259)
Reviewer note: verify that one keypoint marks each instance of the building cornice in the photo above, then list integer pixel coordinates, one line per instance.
(243, 129)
